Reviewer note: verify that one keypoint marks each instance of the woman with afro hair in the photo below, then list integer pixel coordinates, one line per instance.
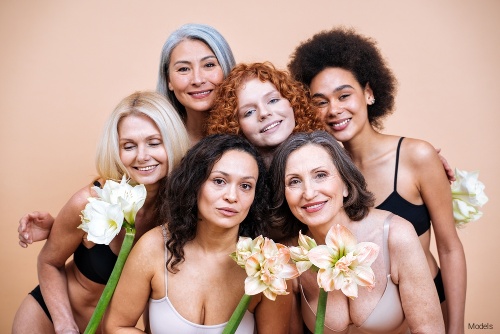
(353, 89)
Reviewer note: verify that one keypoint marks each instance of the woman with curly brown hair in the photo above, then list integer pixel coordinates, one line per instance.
(263, 104)
(181, 271)
(354, 89)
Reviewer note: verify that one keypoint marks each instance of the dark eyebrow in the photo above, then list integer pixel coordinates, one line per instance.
(188, 62)
(337, 89)
(228, 175)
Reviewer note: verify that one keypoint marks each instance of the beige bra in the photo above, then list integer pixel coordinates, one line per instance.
(387, 317)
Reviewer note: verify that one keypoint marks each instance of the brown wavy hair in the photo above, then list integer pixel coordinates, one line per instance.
(223, 117)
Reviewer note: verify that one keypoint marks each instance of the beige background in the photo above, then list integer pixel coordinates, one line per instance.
(64, 65)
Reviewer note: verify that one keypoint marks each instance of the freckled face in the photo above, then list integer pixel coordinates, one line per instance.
(141, 149)
(194, 72)
(225, 198)
(313, 189)
(265, 117)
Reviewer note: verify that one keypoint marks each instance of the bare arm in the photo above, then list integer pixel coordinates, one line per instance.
(436, 193)
(62, 242)
(34, 226)
(410, 270)
(135, 284)
(450, 174)
(274, 316)
(296, 321)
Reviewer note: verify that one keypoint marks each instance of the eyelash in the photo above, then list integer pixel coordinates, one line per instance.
(244, 186)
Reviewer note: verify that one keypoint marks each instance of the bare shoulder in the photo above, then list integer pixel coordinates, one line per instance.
(402, 234)
(81, 197)
(419, 150)
(151, 240)
(69, 215)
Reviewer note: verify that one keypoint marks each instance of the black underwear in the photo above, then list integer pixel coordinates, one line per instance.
(438, 281)
(37, 294)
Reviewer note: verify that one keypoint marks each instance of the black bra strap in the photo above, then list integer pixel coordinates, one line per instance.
(397, 164)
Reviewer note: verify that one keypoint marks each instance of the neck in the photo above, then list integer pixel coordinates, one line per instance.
(319, 232)
(195, 125)
(363, 146)
(267, 154)
(216, 240)
(152, 192)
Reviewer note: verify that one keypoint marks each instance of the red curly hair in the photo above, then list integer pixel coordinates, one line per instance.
(223, 117)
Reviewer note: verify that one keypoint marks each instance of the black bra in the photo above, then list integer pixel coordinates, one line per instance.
(95, 263)
(418, 215)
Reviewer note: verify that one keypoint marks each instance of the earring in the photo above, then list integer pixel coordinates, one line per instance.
(372, 101)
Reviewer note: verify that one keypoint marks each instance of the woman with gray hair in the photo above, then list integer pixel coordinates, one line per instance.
(194, 60)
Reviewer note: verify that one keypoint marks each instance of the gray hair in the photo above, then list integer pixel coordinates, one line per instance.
(204, 33)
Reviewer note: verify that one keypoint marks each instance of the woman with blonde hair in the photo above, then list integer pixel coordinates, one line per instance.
(144, 139)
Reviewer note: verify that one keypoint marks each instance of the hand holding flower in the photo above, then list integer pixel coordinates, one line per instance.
(268, 266)
(117, 205)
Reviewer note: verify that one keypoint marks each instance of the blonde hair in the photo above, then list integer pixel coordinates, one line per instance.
(160, 111)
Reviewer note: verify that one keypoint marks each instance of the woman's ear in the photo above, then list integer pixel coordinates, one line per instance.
(369, 97)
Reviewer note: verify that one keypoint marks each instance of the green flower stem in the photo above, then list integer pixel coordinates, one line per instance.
(238, 314)
(109, 289)
(321, 311)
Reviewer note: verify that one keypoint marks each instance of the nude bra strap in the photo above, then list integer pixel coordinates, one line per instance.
(387, 259)
(164, 231)
(397, 164)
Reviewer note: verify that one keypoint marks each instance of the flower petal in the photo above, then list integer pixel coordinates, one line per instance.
(340, 239)
(254, 286)
(322, 256)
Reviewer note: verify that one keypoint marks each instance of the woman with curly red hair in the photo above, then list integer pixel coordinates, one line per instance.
(263, 104)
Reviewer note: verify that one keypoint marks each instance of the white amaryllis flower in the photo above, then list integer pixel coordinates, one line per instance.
(344, 264)
(468, 196)
(299, 253)
(130, 198)
(101, 220)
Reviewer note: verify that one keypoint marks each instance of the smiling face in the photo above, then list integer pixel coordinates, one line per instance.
(341, 102)
(314, 190)
(194, 72)
(141, 149)
(265, 117)
(225, 198)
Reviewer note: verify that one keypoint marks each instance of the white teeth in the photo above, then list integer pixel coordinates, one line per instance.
(201, 93)
(145, 168)
(271, 126)
(342, 123)
(315, 206)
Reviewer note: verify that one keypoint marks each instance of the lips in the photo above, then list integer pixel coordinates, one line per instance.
(146, 169)
(228, 212)
(314, 207)
(340, 125)
(271, 126)
(200, 94)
